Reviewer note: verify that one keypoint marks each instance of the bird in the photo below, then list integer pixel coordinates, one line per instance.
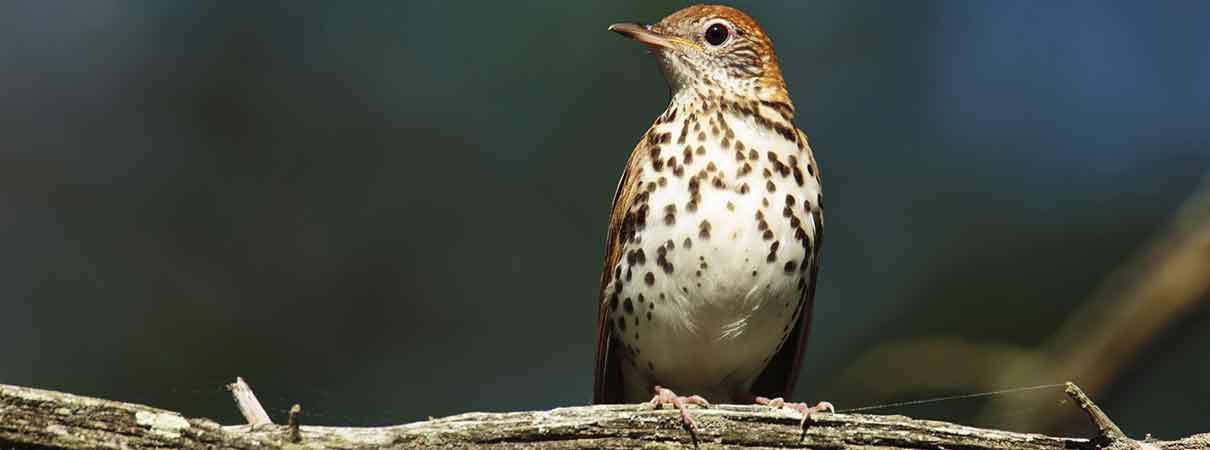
(713, 244)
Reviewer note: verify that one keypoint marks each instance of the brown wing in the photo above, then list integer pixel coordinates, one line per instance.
(781, 374)
(607, 376)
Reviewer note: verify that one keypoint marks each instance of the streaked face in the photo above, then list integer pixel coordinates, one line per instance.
(715, 46)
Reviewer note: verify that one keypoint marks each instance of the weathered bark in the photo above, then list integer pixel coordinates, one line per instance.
(38, 418)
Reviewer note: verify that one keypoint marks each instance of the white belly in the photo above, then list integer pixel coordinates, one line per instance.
(724, 275)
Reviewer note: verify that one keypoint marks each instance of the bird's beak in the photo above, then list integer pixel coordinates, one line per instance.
(646, 36)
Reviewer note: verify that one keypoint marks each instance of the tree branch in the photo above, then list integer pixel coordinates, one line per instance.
(47, 419)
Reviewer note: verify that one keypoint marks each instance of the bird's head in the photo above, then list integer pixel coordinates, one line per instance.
(708, 48)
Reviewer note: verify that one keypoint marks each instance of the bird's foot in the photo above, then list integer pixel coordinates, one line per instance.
(807, 411)
(664, 395)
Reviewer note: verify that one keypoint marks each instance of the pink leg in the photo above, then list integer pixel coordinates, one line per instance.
(663, 395)
(807, 411)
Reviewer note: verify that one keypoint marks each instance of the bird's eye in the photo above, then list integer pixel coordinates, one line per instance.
(717, 34)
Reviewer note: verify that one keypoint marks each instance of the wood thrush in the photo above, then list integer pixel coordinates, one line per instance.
(713, 243)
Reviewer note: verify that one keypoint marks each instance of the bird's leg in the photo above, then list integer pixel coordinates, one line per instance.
(664, 395)
(807, 411)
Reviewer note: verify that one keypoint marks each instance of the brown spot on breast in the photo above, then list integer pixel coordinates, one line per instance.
(662, 261)
(711, 167)
(769, 186)
(704, 230)
(701, 150)
(818, 226)
(786, 132)
(627, 232)
(649, 278)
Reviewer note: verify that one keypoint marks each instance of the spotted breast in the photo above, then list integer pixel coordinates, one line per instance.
(713, 246)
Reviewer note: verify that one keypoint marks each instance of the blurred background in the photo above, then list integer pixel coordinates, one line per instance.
(390, 210)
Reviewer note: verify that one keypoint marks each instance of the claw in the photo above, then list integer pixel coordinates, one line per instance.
(806, 411)
(664, 395)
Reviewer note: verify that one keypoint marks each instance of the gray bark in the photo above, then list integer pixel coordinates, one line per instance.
(38, 418)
